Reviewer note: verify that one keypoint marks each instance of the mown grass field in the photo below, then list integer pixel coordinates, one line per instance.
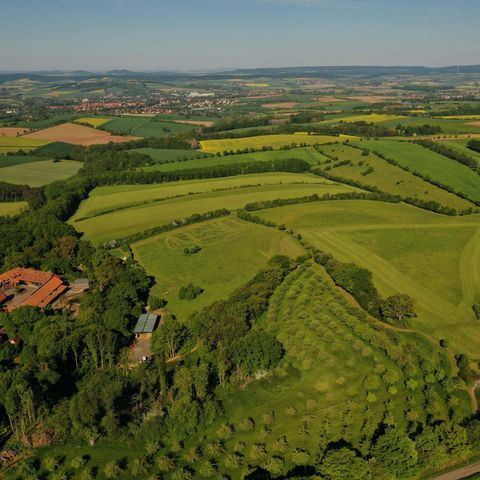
(14, 144)
(94, 121)
(309, 154)
(388, 178)
(145, 127)
(433, 258)
(274, 141)
(431, 164)
(149, 206)
(226, 243)
(39, 173)
(11, 208)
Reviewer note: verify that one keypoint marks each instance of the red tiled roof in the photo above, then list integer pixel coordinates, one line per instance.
(47, 293)
(50, 285)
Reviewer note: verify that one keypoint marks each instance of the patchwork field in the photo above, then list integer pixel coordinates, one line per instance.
(226, 243)
(433, 258)
(14, 144)
(11, 208)
(114, 212)
(448, 126)
(76, 134)
(39, 173)
(374, 171)
(274, 141)
(309, 154)
(431, 164)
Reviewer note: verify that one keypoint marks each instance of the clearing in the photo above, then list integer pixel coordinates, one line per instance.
(11, 208)
(226, 243)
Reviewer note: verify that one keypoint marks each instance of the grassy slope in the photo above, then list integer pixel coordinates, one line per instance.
(275, 141)
(131, 220)
(11, 208)
(39, 173)
(393, 240)
(428, 163)
(308, 154)
(389, 178)
(226, 243)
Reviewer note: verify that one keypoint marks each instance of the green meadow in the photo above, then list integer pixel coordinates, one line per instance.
(274, 141)
(430, 164)
(12, 160)
(11, 208)
(171, 155)
(145, 127)
(447, 126)
(114, 212)
(373, 171)
(460, 145)
(225, 244)
(309, 154)
(433, 258)
(39, 173)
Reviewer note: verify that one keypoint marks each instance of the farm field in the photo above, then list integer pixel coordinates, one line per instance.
(47, 122)
(77, 135)
(309, 154)
(388, 178)
(93, 121)
(448, 126)
(158, 210)
(372, 118)
(11, 208)
(145, 127)
(14, 144)
(461, 146)
(226, 243)
(11, 160)
(431, 164)
(12, 131)
(162, 155)
(274, 141)
(433, 258)
(39, 173)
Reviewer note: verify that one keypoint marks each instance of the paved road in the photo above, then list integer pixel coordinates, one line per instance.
(463, 472)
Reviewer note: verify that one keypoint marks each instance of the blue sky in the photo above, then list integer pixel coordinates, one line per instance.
(214, 34)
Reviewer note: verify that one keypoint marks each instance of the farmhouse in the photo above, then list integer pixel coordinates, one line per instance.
(146, 325)
(26, 286)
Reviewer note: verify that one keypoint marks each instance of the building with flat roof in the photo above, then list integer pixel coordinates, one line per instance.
(146, 325)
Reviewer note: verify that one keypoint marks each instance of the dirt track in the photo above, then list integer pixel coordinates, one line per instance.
(460, 473)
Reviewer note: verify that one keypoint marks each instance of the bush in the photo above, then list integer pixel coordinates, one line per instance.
(190, 292)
